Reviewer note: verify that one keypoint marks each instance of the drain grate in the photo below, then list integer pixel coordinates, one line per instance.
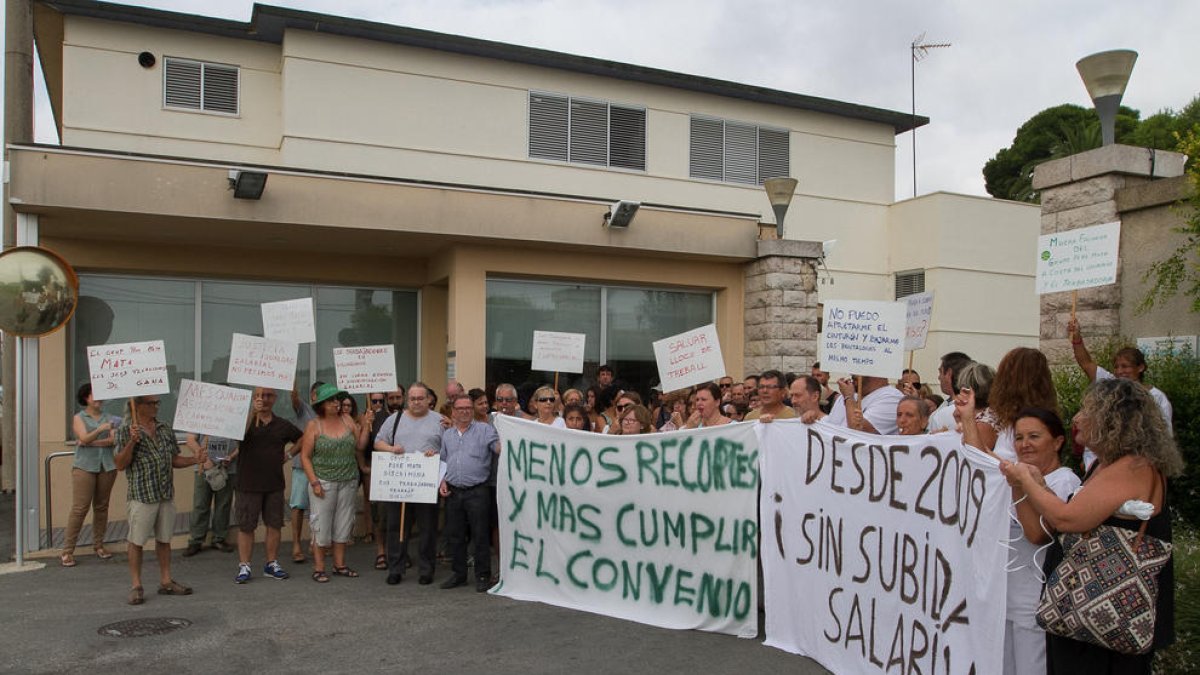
(135, 628)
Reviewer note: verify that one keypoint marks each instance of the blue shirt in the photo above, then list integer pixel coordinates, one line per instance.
(468, 454)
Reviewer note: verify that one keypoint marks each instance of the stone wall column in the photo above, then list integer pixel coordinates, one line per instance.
(781, 306)
(1081, 191)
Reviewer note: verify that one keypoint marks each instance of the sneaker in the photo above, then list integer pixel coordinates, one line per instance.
(273, 570)
(243, 574)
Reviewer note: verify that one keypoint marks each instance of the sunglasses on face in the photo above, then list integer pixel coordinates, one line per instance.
(622, 406)
(546, 399)
(376, 401)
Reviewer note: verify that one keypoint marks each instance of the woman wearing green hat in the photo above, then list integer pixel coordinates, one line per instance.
(331, 453)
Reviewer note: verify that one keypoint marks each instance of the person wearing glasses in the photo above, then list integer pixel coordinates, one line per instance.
(546, 401)
(623, 401)
(772, 387)
(381, 405)
(467, 450)
(725, 384)
(147, 454)
(634, 419)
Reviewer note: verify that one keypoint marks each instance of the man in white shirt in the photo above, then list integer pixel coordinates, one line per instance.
(952, 364)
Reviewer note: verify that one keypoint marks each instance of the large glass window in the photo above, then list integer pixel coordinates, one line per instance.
(620, 323)
(128, 309)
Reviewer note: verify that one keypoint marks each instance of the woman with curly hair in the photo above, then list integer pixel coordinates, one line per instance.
(1135, 456)
(1022, 381)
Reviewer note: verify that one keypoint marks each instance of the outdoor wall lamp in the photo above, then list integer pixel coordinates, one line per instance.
(1105, 75)
(779, 192)
(621, 214)
(247, 184)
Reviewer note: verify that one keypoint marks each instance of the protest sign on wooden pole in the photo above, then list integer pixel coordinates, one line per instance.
(1081, 258)
(289, 320)
(212, 410)
(262, 362)
(558, 352)
(863, 337)
(128, 369)
(689, 358)
(362, 370)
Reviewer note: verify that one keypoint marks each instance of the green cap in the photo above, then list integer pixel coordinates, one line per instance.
(326, 392)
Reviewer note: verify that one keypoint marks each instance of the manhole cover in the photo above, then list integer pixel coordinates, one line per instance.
(142, 627)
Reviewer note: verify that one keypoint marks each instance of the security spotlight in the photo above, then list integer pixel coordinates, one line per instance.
(247, 184)
(621, 214)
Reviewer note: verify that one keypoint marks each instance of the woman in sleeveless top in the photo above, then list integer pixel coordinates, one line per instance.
(92, 475)
(1135, 455)
(331, 454)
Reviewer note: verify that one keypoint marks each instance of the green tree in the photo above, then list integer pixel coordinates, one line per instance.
(1054, 132)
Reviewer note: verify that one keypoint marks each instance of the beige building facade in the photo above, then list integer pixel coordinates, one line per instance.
(448, 196)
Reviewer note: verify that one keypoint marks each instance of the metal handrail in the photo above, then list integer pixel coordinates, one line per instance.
(49, 508)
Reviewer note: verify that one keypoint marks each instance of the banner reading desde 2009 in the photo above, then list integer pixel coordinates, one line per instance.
(657, 528)
(883, 554)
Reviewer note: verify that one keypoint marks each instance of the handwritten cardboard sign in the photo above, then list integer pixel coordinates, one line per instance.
(290, 320)
(409, 477)
(128, 369)
(1079, 258)
(361, 370)
(558, 352)
(863, 337)
(212, 410)
(262, 362)
(920, 310)
(689, 358)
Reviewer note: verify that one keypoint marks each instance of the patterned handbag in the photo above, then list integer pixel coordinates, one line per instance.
(1106, 588)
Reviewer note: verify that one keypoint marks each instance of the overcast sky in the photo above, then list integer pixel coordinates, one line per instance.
(1008, 60)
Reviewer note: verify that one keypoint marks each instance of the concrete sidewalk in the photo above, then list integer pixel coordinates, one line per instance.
(51, 616)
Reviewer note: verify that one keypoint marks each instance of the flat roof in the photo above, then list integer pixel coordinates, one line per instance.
(268, 23)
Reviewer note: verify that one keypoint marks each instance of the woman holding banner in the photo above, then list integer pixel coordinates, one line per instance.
(1125, 489)
(93, 474)
(912, 417)
(332, 457)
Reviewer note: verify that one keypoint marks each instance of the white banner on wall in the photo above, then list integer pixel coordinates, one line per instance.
(657, 528)
(262, 362)
(689, 358)
(128, 369)
(290, 320)
(1079, 258)
(212, 410)
(408, 477)
(889, 550)
(558, 352)
(919, 308)
(362, 370)
(863, 337)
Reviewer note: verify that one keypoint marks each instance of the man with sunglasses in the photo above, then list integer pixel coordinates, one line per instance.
(147, 453)
(726, 385)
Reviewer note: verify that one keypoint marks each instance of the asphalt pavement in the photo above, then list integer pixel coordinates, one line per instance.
(53, 621)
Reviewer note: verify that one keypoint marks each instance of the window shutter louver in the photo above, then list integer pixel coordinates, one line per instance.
(773, 151)
(707, 152)
(627, 138)
(548, 127)
(910, 283)
(589, 132)
(182, 84)
(741, 153)
(220, 89)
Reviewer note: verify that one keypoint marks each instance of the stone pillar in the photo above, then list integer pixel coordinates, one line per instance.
(781, 306)
(1080, 191)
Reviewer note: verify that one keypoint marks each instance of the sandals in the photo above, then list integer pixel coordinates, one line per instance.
(381, 562)
(67, 560)
(320, 576)
(299, 558)
(103, 554)
(173, 587)
(136, 595)
(345, 572)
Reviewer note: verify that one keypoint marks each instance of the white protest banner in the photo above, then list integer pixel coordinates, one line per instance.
(128, 369)
(558, 352)
(289, 320)
(863, 337)
(919, 308)
(1079, 258)
(1168, 345)
(658, 528)
(883, 554)
(409, 477)
(261, 362)
(689, 358)
(212, 410)
(361, 370)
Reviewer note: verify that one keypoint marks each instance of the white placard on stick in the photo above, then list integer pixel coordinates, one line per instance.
(863, 337)
(920, 311)
(689, 358)
(1079, 258)
(262, 362)
(361, 370)
(128, 369)
(211, 409)
(408, 477)
(290, 320)
(558, 352)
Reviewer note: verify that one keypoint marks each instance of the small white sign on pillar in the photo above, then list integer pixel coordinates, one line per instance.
(1079, 258)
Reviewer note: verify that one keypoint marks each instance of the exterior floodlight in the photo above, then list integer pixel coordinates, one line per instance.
(779, 192)
(247, 184)
(1105, 75)
(621, 214)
